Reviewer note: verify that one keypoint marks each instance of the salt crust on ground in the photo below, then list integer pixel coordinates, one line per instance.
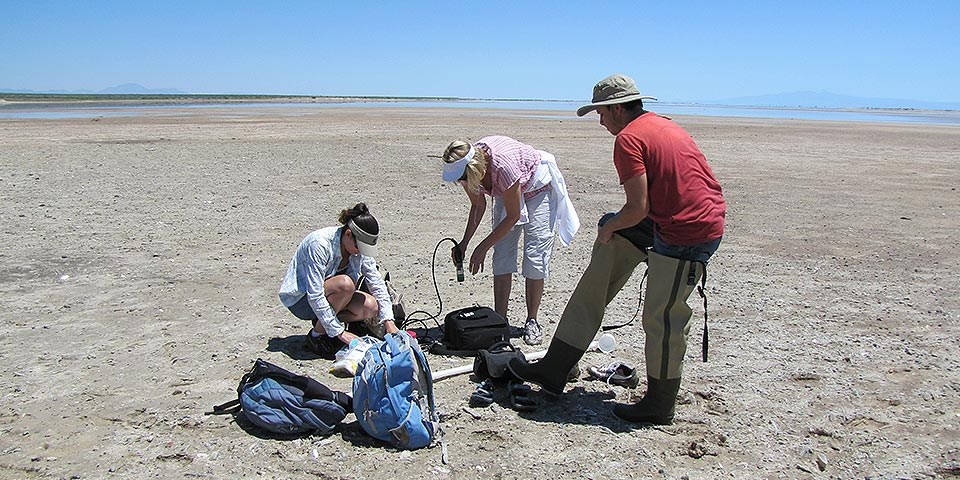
(140, 258)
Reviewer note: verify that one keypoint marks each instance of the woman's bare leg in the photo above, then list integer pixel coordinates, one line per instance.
(501, 292)
(533, 294)
(361, 307)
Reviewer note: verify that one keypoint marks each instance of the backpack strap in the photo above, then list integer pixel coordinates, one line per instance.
(421, 360)
(393, 342)
(310, 387)
(233, 406)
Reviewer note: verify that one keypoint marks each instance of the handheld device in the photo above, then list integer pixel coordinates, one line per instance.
(458, 261)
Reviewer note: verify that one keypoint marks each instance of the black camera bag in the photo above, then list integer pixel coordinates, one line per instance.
(467, 330)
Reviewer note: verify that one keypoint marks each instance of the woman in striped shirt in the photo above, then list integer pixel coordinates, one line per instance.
(530, 196)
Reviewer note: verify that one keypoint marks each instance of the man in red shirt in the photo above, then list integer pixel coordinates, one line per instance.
(673, 219)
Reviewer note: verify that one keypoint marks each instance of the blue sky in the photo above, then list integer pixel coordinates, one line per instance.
(677, 50)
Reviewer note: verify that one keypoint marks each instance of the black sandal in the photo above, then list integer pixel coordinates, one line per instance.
(520, 398)
(483, 395)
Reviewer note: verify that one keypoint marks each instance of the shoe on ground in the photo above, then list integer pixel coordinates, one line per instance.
(643, 413)
(616, 373)
(532, 333)
(521, 398)
(323, 345)
(483, 395)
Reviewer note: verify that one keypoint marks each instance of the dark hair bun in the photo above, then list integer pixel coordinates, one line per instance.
(359, 210)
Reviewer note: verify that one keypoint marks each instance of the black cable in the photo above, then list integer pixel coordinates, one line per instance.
(433, 273)
(426, 315)
(606, 328)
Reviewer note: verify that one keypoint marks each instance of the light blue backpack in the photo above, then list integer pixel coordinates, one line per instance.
(393, 394)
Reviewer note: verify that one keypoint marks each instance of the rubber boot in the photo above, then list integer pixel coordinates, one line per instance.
(552, 371)
(656, 407)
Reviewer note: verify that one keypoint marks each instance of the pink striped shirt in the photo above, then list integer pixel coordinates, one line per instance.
(510, 161)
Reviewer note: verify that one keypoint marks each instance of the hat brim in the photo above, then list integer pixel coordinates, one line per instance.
(454, 171)
(593, 106)
(366, 243)
(366, 249)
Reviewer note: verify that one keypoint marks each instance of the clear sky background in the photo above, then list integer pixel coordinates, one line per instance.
(676, 50)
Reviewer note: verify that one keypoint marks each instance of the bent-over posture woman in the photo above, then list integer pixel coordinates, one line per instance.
(530, 197)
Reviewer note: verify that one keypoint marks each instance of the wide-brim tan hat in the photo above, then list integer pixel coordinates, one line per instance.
(612, 90)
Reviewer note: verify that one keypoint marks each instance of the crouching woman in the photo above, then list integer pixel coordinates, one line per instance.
(322, 283)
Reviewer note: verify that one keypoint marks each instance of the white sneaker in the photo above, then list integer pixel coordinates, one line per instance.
(616, 373)
(532, 333)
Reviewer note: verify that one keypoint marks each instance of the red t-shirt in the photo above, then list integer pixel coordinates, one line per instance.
(686, 201)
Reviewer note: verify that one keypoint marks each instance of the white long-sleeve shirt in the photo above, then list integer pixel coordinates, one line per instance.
(316, 260)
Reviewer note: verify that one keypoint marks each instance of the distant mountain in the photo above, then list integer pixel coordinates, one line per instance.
(824, 99)
(125, 89)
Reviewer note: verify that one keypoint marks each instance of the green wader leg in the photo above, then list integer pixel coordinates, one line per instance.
(666, 315)
(666, 322)
(610, 267)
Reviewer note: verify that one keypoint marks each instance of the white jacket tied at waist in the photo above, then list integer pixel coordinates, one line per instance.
(563, 217)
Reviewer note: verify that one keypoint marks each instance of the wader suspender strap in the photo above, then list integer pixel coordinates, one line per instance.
(691, 279)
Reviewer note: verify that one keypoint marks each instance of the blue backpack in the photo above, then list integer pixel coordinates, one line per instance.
(393, 394)
(282, 402)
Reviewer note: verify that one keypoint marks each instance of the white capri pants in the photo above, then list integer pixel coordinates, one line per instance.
(537, 241)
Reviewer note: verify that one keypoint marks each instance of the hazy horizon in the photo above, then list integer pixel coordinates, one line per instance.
(680, 52)
(802, 99)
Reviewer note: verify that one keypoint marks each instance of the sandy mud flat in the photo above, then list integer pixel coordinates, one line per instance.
(140, 258)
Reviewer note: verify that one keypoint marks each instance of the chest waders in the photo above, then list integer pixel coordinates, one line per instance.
(666, 322)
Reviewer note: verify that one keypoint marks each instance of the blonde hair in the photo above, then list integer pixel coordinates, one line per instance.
(476, 167)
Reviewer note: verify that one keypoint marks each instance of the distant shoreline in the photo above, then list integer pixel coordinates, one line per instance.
(60, 106)
(168, 99)
(87, 100)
